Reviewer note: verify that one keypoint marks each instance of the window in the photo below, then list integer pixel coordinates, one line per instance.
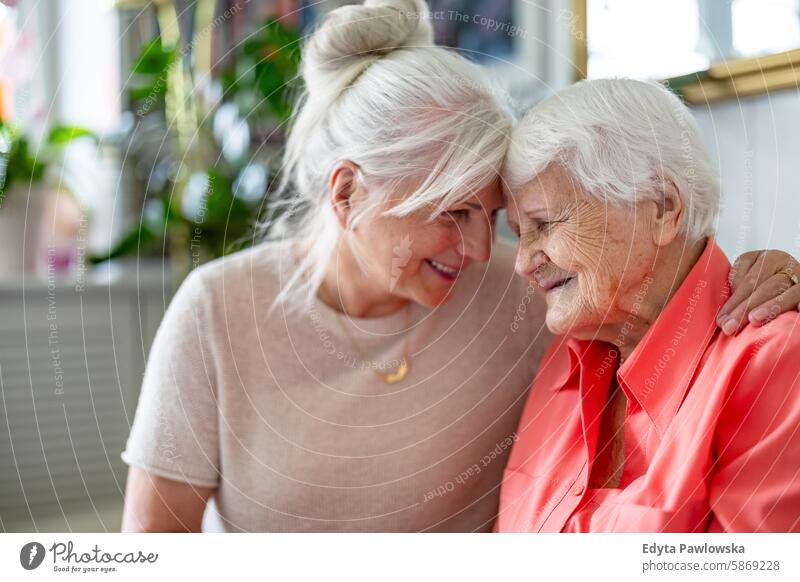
(668, 38)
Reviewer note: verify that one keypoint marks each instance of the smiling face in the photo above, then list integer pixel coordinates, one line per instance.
(586, 257)
(412, 257)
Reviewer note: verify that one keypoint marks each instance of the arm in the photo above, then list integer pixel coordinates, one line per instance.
(157, 504)
(756, 483)
(762, 290)
(173, 447)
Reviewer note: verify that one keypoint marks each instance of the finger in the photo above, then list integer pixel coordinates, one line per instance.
(789, 300)
(741, 266)
(743, 289)
(777, 261)
(772, 289)
(774, 297)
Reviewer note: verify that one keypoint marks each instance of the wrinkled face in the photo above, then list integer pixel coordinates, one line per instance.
(586, 257)
(415, 258)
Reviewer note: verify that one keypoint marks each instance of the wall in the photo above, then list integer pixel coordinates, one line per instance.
(756, 145)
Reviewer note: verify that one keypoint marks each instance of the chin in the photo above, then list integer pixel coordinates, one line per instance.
(559, 323)
(577, 326)
(433, 299)
(555, 327)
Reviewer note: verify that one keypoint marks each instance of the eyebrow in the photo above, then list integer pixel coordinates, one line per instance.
(480, 206)
(532, 211)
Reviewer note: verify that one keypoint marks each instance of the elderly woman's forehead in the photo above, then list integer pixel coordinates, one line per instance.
(522, 200)
(536, 192)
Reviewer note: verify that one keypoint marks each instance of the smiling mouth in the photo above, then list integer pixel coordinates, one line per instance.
(445, 271)
(556, 284)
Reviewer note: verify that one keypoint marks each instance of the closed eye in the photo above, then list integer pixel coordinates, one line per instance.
(464, 214)
(537, 227)
(545, 225)
(458, 214)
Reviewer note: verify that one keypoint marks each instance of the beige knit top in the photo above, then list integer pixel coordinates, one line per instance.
(286, 415)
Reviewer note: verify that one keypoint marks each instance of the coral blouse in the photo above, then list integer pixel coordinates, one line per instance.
(711, 430)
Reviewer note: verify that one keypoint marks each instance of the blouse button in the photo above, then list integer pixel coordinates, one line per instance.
(578, 490)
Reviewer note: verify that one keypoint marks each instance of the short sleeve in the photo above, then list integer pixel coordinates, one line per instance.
(175, 429)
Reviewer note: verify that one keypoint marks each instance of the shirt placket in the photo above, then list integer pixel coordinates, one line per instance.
(575, 477)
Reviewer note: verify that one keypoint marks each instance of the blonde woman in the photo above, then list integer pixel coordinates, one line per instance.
(367, 372)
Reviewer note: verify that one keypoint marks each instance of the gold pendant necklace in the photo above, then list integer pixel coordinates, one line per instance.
(402, 369)
(397, 375)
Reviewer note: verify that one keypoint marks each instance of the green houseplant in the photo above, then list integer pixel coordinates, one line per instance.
(23, 177)
(199, 162)
(20, 165)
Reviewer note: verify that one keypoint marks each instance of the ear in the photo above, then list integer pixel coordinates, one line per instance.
(343, 186)
(668, 214)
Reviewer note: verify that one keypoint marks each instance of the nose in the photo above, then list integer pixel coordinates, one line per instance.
(476, 240)
(529, 260)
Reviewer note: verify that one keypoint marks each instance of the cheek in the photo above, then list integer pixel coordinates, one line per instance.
(383, 244)
(592, 255)
(434, 240)
(588, 245)
(399, 248)
(571, 250)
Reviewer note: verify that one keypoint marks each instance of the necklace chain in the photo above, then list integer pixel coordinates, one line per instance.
(402, 369)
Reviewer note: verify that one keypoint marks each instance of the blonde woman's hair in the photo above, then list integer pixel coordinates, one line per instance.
(380, 94)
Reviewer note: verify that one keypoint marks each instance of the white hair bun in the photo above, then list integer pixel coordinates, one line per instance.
(352, 37)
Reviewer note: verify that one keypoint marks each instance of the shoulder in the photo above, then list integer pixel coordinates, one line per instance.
(258, 270)
(234, 285)
(263, 262)
(766, 362)
(776, 341)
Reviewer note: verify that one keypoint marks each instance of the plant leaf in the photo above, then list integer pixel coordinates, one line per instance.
(63, 134)
(154, 59)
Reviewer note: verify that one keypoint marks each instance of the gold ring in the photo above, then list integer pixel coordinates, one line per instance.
(792, 277)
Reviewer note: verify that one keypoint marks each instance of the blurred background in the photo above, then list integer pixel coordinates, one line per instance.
(139, 139)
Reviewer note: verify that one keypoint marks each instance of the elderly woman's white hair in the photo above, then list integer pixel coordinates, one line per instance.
(380, 94)
(622, 140)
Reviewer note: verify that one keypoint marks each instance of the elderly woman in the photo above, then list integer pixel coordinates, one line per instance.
(644, 416)
(367, 372)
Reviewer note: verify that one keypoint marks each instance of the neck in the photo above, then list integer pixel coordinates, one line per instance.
(642, 304)
(350, 290)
